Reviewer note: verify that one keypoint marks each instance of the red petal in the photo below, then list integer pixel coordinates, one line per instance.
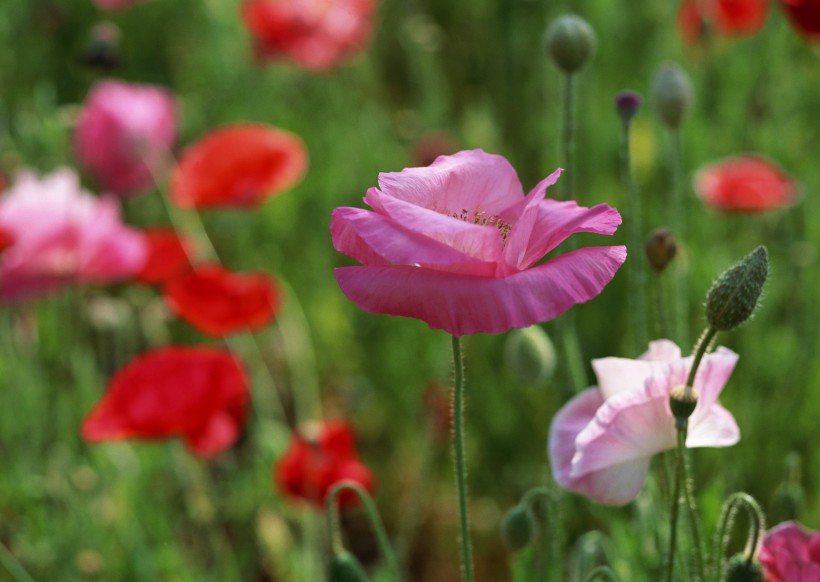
(805, 16)
(239, 166)
(167, 257)
(6, 239)
(745, 183)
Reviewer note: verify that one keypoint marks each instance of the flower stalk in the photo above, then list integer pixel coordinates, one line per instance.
(733, 504)
(460, 462)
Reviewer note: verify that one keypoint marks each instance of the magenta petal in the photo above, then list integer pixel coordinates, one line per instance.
(785, 554)
(465, 304)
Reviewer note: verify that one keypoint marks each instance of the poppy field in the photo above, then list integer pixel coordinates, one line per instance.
(345, 290)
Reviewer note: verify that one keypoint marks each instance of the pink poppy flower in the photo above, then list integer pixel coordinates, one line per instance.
(790, 553)
(124, 134)
(63, 235)
(804, 16)
(115, 4)
(729, 17)
(601, 441)
(317, 34)
(456, 244)
(747, 183)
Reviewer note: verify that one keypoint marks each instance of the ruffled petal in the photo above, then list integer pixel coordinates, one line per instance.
(464, 304)
(714, 427)
(713, 373)
(573, 417)
(618, 375)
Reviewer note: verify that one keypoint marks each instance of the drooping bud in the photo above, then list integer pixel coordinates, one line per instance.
(682, 402)
(671, 94)
(570, 42)
(661, 247)
(739, 569)
(627, 104)
(344, 567)
(518, 528)
(530, 355)
(736, 293)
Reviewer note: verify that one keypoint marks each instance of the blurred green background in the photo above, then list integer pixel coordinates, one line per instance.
(476, 70)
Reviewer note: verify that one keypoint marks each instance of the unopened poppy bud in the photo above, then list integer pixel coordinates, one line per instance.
(736, 293)
(103, 50)
(518, 528)
(739, 569)
(682, 402)
(661, 247)
(344, 567)
(627, 104)
(530, 355)
(671, 94)
(570, 42)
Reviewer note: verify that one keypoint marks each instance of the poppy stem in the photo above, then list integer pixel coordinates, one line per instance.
(728, 512)
(551, 518)
(673, 518)
(692, 510)
(13, 566)
(677, 211)
(460, 464)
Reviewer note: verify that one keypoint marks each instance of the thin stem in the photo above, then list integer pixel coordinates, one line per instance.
(637, 274)
(604, 572)
(673, 518)
(692, 511)
(460, 464)
(700, 350)
(13, 566)
(372, 512)
(727, 517)
(677, 221)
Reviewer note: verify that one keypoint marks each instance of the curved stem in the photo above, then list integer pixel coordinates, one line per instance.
(459, 459)
(601, 572)
(13, 566)
(727, 517)
(700, 350)
(372, 512)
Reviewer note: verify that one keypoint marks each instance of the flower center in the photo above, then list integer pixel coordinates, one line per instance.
(481, 218)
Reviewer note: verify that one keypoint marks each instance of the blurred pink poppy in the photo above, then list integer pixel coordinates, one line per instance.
(601, 441)
(790, 553)
(804, 16)
(728, 17)
(115, 4)
(63, 235)
(197, 393)
(125, 134)
(317, 34)
(456, 244)
(747, 183)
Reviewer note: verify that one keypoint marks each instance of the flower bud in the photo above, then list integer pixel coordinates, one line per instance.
(627, 104)
(736, 293)
(739, 569)
(530, 355)
(682, 402)
(570, 42)
(661, 247)
(671, 94)
(517, 528)
(103, 50)
(344, 567)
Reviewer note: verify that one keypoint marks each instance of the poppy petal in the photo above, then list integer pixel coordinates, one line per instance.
(167, 256)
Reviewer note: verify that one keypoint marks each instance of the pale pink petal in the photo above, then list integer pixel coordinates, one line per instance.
(471, 180)
(617, 375)
(712, 427)
(618, 484)
(662, 350)
(713, 373)
(358, 233)
(573, 417)
(464, 304)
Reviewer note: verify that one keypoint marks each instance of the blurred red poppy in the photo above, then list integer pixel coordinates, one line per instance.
(167, 256)
(199, 394)
(317, 459)
(6, 239)
(805, 16)
(316, 34)
(746, 183)
(728, 17)
(238, 165)
(218, 302)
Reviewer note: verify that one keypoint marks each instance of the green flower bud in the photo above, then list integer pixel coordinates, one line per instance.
(344, 567)
(661, 247)
(736, 293)
(518, 528)
(671, 94)
(682, 402)
(739, 569)
(570, 42)
(530, 355)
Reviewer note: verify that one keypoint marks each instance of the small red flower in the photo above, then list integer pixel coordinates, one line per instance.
(239, 166)
(315, 463)
(218, 302)
(805, 16)
(167, 257)
(747, 183)
(729, 17)
(199, 394)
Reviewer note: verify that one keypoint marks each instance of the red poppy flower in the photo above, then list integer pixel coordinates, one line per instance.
(805, 16)
(199, 394)
(315, 462)
(167, 256)
(729, 17)
(218, 302)
(746, 183)
(316, 34)
(238, 165)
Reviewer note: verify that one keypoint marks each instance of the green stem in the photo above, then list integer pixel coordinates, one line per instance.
(460, 464)
(637, 280)
(676, 220)
(551, 518)
(601, 572)
(373, 513)
(13, 566)
(727, 517)
(692, 511)
(673, 518)
(700, 350)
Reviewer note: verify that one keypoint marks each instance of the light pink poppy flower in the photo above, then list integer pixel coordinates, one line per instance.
(63, 234)
(790, 553)
(125, 133)
(457, 245)
(601, 441)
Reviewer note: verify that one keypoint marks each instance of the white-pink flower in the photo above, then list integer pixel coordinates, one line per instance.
(61, 235)
(125, 134)
(601, 441)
